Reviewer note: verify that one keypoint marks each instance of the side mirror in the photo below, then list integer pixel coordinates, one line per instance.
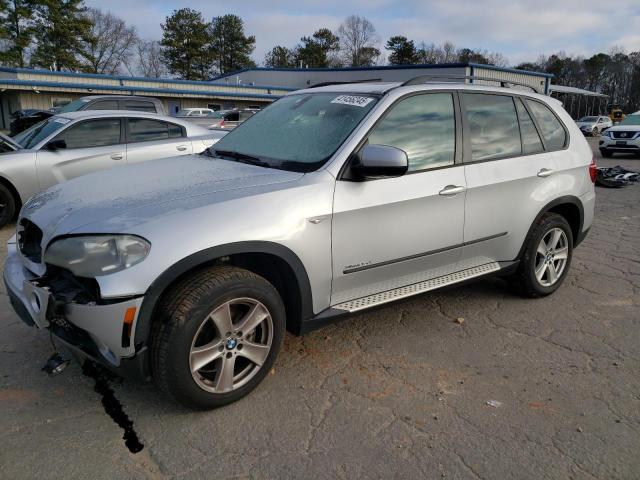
(54, 145)
(380, 161)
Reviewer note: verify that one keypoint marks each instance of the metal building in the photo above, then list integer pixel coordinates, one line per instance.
(305, 77)
(22, 88)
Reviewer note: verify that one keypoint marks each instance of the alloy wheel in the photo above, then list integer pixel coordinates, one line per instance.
(231, 345)
(551, 257)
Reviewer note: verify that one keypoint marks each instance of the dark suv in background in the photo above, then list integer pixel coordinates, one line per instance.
(114, 102)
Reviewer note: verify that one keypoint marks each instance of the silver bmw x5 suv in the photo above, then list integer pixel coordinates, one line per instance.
(330, 201)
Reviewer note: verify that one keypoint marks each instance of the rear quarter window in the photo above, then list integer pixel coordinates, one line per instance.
(554, 134)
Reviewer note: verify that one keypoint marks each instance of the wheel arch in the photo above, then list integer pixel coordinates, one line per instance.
(14, 191)
(273, 261)
(571, 208)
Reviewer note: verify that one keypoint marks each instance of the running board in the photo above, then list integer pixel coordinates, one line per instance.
(416, 288)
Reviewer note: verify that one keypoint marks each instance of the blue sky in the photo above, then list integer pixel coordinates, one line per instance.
(520, 29)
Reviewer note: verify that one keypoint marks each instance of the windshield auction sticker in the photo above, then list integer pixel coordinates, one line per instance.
(354, 100)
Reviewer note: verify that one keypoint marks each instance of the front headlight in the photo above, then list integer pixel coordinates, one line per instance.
(97, 255)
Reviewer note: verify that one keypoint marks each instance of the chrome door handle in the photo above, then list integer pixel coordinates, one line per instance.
(451, 190)
(182, 148)
(117, 156)
(545, 172)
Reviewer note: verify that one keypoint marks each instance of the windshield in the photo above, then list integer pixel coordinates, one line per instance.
(588, 119)
(298, 132)
(631, 120)
(41, 130)
(73, 106)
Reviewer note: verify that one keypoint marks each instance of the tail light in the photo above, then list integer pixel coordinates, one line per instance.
(593, 170)
(222, 123)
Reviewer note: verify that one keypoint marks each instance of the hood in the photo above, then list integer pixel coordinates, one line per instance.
(585, 124)
(624, 128)
(163, 184)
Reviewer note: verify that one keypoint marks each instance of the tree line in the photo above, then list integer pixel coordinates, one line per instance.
(66, 35)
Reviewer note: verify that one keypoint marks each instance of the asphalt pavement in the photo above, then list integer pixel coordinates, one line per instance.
(471, 383)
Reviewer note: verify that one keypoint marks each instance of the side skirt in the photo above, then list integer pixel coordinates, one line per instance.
(344, 309)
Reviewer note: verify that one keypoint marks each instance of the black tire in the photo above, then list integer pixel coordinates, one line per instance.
(606, 153)
(7, 205)
(179, 317)
(524, 281)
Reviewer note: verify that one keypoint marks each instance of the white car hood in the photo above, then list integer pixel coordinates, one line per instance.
(166, 185)
(624, 128)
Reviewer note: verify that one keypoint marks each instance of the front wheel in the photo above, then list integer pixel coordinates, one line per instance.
(546, 258)
(7, 205)
(218, 333)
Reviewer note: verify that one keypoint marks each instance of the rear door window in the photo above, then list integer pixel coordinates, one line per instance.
(555, 137)
(531, 142)
(140, 106)
(103, 105)
(493, 126)
(147, 130)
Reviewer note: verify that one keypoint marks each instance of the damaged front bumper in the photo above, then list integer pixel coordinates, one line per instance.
(94, 330)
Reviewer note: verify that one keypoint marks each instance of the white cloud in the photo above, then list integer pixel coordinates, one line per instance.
(520, 29)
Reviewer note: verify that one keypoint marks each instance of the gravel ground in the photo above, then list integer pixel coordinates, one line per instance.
(535, 389)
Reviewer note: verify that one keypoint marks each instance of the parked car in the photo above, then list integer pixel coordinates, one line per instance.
(114, 102)
(594, 125)
(7, 145)
(23, 119)
(622, 138)
(331, 201)
(194, 112)
(229, 119)
(73, 144)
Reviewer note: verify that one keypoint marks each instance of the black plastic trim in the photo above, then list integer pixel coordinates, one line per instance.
(157, 288)
(423, 254)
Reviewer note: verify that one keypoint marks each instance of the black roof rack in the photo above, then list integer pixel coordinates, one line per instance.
(503, 83)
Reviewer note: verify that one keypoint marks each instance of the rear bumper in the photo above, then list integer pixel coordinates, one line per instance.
(92, 331)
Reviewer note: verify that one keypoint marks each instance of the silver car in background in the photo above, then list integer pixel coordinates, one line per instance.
(71, 144)
(594, 125)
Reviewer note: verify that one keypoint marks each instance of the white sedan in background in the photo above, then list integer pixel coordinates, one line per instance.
(71, 144)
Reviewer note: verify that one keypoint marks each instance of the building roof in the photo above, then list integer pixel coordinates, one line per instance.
(36, 80)
(384, 67)
(575, 91)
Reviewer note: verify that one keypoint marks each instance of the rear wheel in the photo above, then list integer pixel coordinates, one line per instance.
(218, 335)
(7, 205)
(606, 153)
(546, 257)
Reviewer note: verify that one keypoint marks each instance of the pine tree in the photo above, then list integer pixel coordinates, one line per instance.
(186, 46)
(230, 46)
(60, 30)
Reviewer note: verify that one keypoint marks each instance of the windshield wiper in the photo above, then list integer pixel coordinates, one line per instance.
(243, 158)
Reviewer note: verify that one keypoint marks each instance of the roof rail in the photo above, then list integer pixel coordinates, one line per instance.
(503, 83)
(328, 84)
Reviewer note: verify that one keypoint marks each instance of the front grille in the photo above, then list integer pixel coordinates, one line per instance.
(30, 240)
(623, 135)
